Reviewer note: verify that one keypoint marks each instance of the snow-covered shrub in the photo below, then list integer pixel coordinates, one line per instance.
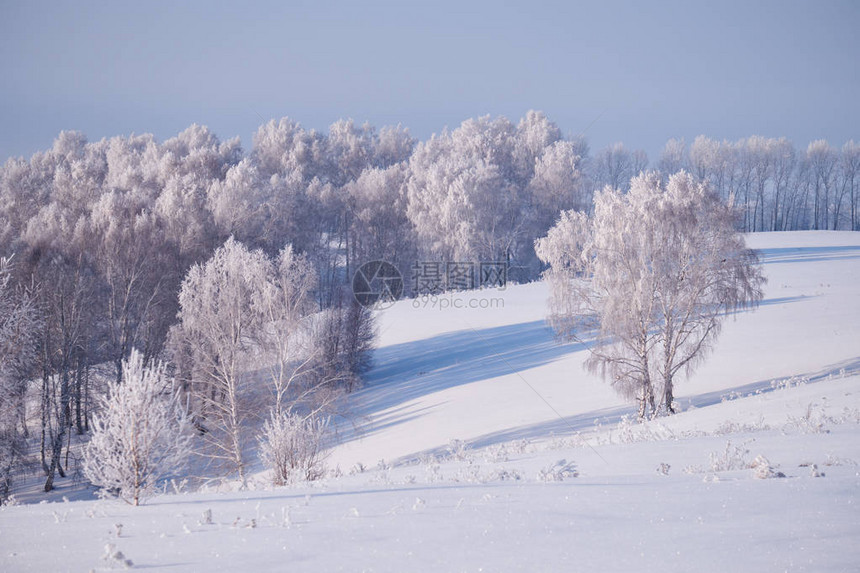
(502, 474)
(792, 382)
(732, 427)
(837, 461)
(434, 472)
(731, 458)
(496, 454)
(458, 450)
(763, 470)
(850, 415)
(625, 430)
(142, 435)
(813, 421)
(291, 445)
(116, 558)
(558, 471)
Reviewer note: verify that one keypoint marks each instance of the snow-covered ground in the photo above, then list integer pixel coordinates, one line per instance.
(479, 443)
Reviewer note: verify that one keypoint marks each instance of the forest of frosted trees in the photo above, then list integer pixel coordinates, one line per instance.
(99, 239)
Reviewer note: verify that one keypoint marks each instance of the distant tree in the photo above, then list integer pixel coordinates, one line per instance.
(556, 186)
(481, 191)
(125, 240)
(850, 166)
(649, 276)
(784, 161)
(379, 227)
(142, 435)
(823, 161)
(673, 157)
(613, 166)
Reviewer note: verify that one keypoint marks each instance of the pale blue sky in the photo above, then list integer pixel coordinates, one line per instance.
(638, 72)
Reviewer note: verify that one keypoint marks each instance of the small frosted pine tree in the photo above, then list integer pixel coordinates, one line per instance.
(142, 435)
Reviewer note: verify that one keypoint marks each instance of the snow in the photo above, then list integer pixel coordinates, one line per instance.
(501, 453)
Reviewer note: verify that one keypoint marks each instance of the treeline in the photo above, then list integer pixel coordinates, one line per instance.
(102, 236)
(775, 186)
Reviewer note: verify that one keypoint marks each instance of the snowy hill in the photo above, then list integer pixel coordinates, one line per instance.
(496, 374)
(480, 443)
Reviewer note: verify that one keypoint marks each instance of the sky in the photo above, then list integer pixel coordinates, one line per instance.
(637, 72)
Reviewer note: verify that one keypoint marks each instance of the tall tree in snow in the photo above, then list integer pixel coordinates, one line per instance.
(19, 327)
(221, 317)
(471, 190)
(850, 167)
(649, 276)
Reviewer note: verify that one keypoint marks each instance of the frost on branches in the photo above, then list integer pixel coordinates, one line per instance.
(142, 435)
(649, 276)
(292, 445)
(19, 325)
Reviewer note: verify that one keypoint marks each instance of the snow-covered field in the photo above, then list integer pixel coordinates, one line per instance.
(480, 444)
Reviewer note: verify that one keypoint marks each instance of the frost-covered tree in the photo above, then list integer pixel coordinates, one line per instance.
(471, 195)
(379, 227)
(142, 435)
(650, 276)
(220, 320)
(673, 157)
(19, 327)
(850, 172)
(286, 339)
(245, 317)
(823, 161)
(616, 165)
(125, 242)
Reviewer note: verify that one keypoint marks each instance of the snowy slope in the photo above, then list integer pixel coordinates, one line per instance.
(502, 454)
(490, 375)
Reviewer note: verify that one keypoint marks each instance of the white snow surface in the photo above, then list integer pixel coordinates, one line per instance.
(479, 443)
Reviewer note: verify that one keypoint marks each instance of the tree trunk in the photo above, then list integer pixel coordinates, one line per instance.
(44, 421)
(647, 407)
(78, 397)
(62, 425)
(668, 394)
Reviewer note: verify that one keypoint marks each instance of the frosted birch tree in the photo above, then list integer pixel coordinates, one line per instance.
(650, 277)
(142, 435)
(221, 318)
(19, 327)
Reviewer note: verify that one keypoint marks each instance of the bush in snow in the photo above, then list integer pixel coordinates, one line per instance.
(558, 471)
(731, 458)
(458, 450)
(813, 421)
(116, 558)
(142, 435)
(292, 446)
(763, 470)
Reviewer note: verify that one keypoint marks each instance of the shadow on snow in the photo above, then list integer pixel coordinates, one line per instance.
(808, 254)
